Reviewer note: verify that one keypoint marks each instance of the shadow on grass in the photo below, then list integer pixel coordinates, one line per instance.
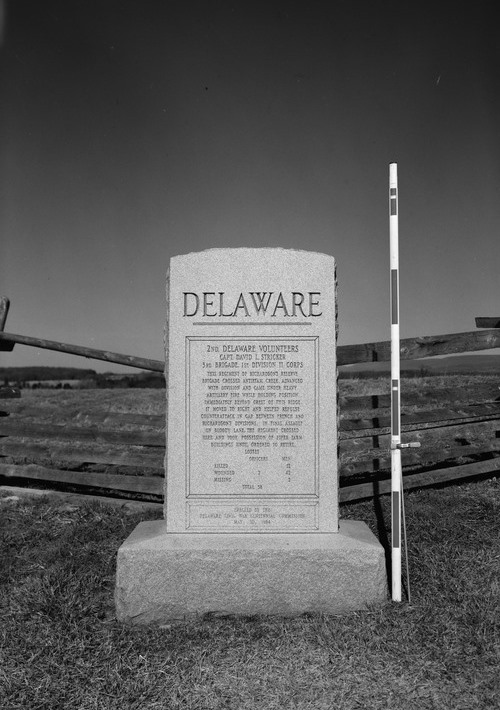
(382, 530)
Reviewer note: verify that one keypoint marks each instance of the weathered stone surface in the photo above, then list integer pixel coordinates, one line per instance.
(251, 392)
(167, 577)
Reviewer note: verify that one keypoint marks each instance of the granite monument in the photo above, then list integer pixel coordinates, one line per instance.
(251, 518)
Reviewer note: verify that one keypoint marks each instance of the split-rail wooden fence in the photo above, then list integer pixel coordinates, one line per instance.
(122, 455)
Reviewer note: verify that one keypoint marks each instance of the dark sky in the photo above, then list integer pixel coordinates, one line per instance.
(134, 131)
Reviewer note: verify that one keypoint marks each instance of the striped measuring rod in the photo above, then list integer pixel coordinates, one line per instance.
(396, 471)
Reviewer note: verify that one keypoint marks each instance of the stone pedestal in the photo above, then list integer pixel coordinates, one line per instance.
(165, 577)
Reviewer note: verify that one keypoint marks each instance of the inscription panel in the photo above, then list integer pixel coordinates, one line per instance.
(252, 410)
(252, 516)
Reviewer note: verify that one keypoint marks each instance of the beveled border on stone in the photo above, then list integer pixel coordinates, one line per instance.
(164, 577)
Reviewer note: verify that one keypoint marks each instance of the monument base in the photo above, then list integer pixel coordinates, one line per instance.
(165, 577)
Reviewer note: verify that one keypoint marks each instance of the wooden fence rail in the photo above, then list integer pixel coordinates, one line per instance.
(121, 455)
(411, 348)
(108, 454)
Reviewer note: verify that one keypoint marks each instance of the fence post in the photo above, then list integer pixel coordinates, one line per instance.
(4, 309)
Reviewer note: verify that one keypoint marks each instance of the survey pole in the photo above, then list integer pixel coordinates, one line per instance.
(396, 472)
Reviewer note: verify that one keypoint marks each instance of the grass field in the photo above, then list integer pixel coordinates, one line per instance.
(152, 401)
(62, 648)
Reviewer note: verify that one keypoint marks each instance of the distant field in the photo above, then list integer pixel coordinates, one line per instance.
(450, 365)
(125, 401)
(152, 401)
(466, 385)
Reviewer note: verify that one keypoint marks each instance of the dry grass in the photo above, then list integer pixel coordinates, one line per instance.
(61, 647)
(100, 401)
(152, 401)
